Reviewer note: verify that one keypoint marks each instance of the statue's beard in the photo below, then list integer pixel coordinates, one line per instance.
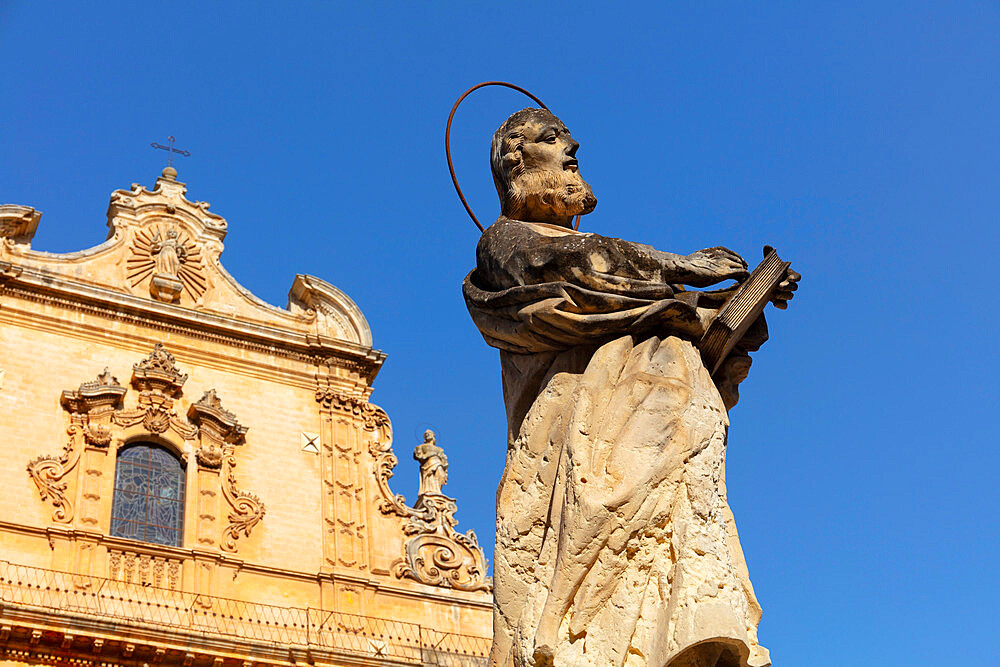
(544, 195)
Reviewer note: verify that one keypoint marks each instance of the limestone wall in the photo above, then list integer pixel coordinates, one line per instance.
(287, 504)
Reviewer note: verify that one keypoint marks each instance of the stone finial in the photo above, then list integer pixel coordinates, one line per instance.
(159, 371)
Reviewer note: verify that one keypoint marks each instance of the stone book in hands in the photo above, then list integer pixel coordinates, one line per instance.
(743, 307)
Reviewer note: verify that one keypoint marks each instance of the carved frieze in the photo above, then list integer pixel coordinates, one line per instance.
(144, 569)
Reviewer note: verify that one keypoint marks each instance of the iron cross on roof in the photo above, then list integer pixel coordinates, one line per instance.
(170, 150)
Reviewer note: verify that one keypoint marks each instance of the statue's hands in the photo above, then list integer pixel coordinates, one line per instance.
(714, 265)
(785, 290)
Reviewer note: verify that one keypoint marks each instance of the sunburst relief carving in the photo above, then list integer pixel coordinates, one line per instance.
(166, 257)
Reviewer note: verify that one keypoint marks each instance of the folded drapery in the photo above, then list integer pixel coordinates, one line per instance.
(615, 543)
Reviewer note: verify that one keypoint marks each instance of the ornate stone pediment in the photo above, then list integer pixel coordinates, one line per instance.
(210, 416)
(158, 373)
(104, 392)
(163, 249)
(218, 427)
(334, 312)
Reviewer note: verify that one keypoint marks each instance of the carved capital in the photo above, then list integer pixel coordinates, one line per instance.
(91, 396)
(214, 420)
(370, 416)
(218, 427)
(209, 456)
(94, 404)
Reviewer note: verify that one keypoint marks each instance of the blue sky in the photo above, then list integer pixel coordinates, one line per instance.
(861, 139)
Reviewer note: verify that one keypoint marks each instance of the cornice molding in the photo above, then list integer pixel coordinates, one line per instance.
(38, 286)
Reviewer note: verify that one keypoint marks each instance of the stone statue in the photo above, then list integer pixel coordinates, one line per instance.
(168, 254)
(433, 465)
(615, 543)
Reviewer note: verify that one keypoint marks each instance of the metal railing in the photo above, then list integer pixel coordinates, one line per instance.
(139, 605)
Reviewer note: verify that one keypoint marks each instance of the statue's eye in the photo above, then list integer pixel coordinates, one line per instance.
(550, 138)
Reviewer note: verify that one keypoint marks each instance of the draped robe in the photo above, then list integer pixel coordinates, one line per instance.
(615, 543)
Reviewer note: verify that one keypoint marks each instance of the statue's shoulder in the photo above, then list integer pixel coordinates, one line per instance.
(505, 228)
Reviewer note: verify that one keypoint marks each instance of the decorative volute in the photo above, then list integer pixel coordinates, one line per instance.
(336, 316)
(18, 223)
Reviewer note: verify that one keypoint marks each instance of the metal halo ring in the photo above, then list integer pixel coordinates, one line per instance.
(447, 141)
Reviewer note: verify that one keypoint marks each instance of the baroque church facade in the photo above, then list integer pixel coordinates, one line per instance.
(195, 477)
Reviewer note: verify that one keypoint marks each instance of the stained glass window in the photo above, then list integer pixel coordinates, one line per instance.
(149, 495)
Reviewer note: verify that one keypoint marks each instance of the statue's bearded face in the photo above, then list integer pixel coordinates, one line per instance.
(540, 171)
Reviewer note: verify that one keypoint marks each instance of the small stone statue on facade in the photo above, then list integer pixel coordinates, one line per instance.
(168, 255)
(616, 546)
(433, 465)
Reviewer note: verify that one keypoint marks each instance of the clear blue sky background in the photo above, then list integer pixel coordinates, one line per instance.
(860, 138)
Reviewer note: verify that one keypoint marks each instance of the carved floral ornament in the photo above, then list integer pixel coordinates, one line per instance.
(98, 419)
(435, 553)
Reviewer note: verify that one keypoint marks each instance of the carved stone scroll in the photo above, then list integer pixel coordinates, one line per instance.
(438, 554)
(248, 510)
(91, 408)
(219, 434)
(47, 472)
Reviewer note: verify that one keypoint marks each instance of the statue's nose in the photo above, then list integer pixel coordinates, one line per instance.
(571, 149)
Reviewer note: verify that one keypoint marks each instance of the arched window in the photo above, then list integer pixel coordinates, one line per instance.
(149, 495)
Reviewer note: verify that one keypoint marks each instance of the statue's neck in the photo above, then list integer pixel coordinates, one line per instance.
(546, 219)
